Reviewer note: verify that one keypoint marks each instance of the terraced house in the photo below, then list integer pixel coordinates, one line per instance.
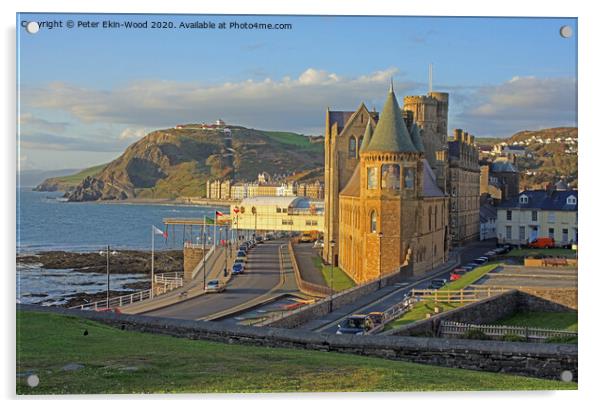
(539, 213)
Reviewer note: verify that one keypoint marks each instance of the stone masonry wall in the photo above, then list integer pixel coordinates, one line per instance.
(192, 257)
(530, 359)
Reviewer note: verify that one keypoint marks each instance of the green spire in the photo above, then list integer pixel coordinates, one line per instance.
(391, 134)
(417, 138)
(367, 137)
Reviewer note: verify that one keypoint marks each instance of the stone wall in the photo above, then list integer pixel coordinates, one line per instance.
(322, 307)
(530, 359)
(192, 257)
(495, 308)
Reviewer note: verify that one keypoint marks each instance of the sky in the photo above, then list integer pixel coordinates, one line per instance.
(85, 94)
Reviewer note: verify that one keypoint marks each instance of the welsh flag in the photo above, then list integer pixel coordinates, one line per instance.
(157, 231)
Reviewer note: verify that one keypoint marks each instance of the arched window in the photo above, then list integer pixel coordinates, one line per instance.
(373, 221)
(436, 208)
(352, 147)
(359, 143)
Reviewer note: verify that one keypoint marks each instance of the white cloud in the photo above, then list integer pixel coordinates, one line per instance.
(133, 133)
(518, 104)
(28, 121)
(288, 103)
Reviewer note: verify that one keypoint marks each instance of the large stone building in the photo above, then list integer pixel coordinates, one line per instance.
(383, 204)
(464, 188)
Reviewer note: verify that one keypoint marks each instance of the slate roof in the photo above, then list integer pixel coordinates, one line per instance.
(503, 166)
(367, 137)
(543, 200)
(391, 134)
(416, 136)
(353, 185)
(429, 183)
(487, 212)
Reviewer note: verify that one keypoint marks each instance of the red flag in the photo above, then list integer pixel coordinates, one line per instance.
(159, 232)
(218, 214)
(236, 210)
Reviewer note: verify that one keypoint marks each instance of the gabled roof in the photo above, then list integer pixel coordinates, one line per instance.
(429, 185)
(542, 200)
(416, 136)
(391, 134)
(367, 137)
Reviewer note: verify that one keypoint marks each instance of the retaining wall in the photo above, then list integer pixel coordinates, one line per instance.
(530, 359)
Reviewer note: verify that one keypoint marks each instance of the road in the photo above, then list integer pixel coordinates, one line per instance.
(386, 297)
(262, 274)
(304, 254)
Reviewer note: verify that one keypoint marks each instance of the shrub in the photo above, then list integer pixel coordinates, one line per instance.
(475, 334)
(513, 337)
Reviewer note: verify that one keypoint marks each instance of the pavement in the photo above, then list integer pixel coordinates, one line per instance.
(304, 252)
(517, 276)
(262, 275)
(196, 287)
(384, 298)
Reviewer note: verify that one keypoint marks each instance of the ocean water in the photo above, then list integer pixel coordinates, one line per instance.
(45, 223)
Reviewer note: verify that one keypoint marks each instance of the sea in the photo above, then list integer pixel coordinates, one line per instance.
(46, 223)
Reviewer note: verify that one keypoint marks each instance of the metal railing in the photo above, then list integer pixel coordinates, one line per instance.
(456, 329)
(115, 302)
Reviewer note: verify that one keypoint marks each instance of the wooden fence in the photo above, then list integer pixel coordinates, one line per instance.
(456, 329)
(455, 296)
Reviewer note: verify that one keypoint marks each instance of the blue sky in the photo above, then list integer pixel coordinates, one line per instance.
(85, 94)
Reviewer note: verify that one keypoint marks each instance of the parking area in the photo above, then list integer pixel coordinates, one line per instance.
(516, 276)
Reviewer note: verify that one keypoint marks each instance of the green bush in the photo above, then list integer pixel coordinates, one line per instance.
(513, 337)
(475, 334)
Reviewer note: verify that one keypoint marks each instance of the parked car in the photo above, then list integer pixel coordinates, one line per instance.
(356, 324)
(243, 248)
(480, 261)
(238, 268)
(319, 244)
(259, 239)
(542, 242)
(241, 254)
(468, 267)
(460, 271)
(240, 260)
(214, 286)
(490, 253)
(437, 283)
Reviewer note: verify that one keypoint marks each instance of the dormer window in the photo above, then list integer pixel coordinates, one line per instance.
(571, 200)
(523, 199)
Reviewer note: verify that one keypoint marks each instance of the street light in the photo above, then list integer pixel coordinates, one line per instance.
(332, 242)
(108, 252)
(380, 265)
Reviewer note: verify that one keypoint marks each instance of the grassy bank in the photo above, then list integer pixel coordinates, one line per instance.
(116, 361)
(544, 320)
(340, 280)
(420, 309)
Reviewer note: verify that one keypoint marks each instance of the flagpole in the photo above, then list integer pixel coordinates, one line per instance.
(215, 230)
(152, 262)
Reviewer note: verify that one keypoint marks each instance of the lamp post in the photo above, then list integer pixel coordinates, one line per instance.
(380, 265)
(332, 242)
(108, 252)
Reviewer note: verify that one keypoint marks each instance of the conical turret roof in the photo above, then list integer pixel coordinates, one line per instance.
(367, 137)
(417, 138)
(391, 133)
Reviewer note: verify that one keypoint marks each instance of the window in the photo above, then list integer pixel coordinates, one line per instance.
(565, 235)
(508, 232)
(551, 233)
(521, 233)
(278, 209)
(359, 143)
(551, 217)
(352, 147)
(524, 199)
(307, 222)
(389, 177)
(409, 175)
(430, 216)
(372, 178)
(373, 221)
(509, 215)
(287, 222)
(571, 200)
(533, 215)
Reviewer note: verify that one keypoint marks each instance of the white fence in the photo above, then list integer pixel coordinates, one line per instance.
(455, 329)
(456, 296)
(116, 302)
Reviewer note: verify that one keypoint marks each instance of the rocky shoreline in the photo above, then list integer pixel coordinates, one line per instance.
(125, 261)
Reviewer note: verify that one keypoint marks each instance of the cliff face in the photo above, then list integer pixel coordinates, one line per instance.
(177, 162)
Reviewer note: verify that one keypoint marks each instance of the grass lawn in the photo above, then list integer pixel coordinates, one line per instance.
(75, 179)
(340, 280)
(544, 320)
(294, 139)
(569, 253)
(420, 309)
(118, 361)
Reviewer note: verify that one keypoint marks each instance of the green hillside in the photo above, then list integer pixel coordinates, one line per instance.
(171, 163)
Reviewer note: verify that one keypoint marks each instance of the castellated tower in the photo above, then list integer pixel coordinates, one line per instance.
(430, 113)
